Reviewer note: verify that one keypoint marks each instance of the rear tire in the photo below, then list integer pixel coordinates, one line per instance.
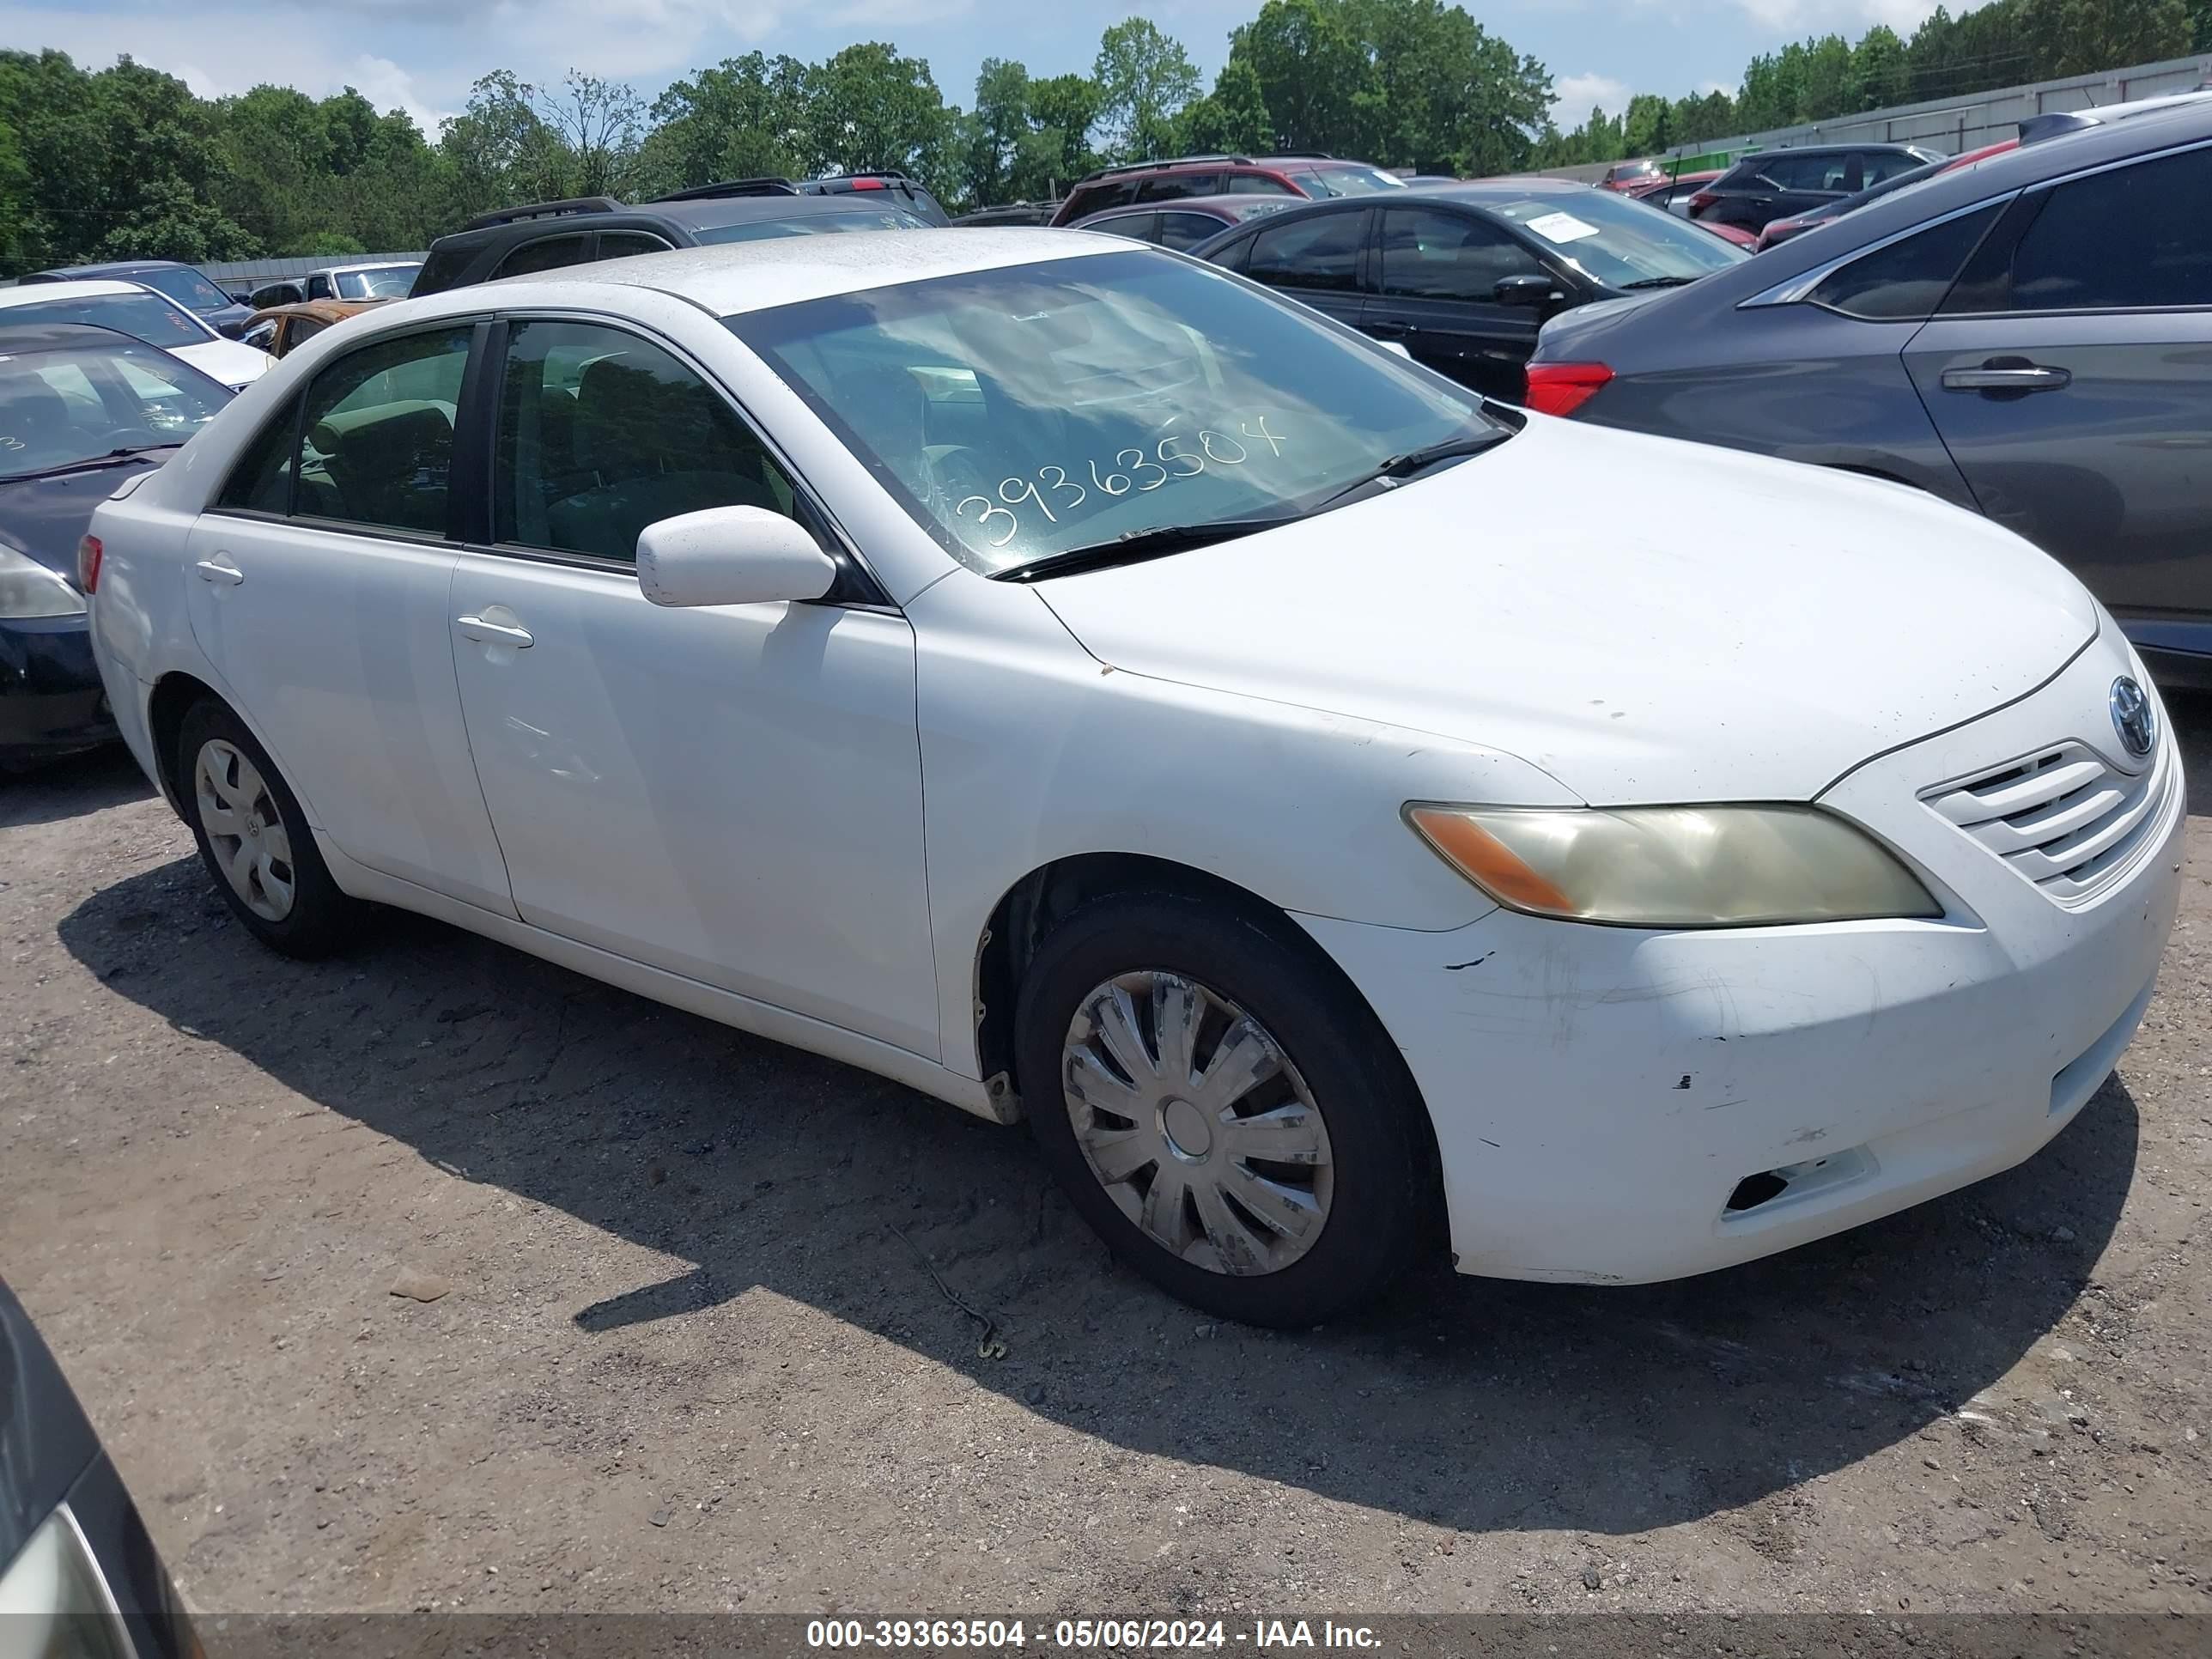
(255, 840)
(1222, 1109)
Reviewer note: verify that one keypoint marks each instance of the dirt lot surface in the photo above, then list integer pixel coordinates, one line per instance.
(689, 1355)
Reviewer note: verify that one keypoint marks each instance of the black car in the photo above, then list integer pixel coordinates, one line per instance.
(2025, 337)
(78, 1575)
(82, 409)
(547, 235)
(1184, 223)
(1463, 275)
(1780, 184)
(188, 285)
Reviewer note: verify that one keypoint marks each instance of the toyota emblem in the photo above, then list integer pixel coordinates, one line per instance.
(2133, 717)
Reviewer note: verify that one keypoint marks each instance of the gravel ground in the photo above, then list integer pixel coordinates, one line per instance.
(689, 1353)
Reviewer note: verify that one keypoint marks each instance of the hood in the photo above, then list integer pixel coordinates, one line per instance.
(231, 361)
(1549, 599)
(46, 517)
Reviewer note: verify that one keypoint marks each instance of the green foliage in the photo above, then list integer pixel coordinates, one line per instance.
(1232, 119)
(1144, 79)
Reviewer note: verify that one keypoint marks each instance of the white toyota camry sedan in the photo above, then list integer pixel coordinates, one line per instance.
(1062, 677)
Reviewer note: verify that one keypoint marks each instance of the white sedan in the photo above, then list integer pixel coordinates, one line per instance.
(143, 314)
(1058, 676)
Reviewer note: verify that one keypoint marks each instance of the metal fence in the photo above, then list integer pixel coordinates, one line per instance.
(252, 273)
(1949, 124)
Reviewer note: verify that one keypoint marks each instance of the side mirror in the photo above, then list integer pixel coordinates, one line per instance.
(1533, 291)
(730, 556)
(243, 296)
(230, 330)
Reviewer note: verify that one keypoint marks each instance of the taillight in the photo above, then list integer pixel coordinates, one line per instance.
(89, 551)
(1563, 388)
(1701, 200)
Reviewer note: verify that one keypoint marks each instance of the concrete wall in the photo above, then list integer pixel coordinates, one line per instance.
(1954, 124)
(251, 273)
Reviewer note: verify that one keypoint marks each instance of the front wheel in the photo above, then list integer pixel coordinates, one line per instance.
(1222, 1109)
(254, 838)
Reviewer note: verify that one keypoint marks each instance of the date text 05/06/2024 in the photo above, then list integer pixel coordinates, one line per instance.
(1259, 1636)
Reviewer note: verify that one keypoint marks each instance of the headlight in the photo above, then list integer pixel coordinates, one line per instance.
(27, 588)
(1673, 866)
(53, 1602)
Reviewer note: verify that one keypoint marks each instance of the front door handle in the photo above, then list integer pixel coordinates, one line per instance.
(220, 569)
(492, 633)
(2001, 374)
(1388, 330)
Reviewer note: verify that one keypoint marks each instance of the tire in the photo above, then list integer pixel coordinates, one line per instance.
(288, 901)
(1349, 1200)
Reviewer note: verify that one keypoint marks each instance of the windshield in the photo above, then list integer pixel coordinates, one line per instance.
(376, 282)
(1343, 180)
(145, 317)
(1026, 411)
(1617, 242)
(85, 402)
(811, 224)
(186, 285)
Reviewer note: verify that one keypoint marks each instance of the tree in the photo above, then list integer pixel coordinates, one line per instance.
(743, 119)
(1309, 67)
(1880, 70)
(1145, 78)
(868, 108)
(1232, 118)
(601, 123)
(996, 129)
(1063, 111)
(499, 151)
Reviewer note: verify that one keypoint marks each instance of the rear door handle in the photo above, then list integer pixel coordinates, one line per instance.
(2006, 376)
(220, 569)
(492, 633)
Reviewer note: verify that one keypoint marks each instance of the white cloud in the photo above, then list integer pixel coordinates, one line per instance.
(1573, 97)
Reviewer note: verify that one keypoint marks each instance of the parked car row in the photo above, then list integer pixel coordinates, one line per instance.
(1058, 674)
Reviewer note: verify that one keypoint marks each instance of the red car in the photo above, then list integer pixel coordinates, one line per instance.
(1781, 230)
(1294, 176)
(1631, 176)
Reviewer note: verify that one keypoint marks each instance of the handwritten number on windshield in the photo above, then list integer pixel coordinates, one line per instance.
(990, 512)
(1274, 442)
(1176, 460)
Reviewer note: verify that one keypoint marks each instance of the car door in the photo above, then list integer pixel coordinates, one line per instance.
(317, 586)
(1437, 292)
(732, 794)
(1315, 257)
(2067, 374)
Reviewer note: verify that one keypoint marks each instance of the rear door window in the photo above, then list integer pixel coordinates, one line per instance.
(1171, 186)
(1881, 166)
(1097, 198)
(547, 253)
(1319, 253)
(378, 445)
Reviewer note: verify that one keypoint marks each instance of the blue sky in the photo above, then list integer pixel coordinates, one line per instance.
(421, 55)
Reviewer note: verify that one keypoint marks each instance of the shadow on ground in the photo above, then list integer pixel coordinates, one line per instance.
(1477, 1405)
(46, 792)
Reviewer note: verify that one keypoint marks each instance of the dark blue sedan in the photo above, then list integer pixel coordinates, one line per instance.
(188, 285)
(82, 409)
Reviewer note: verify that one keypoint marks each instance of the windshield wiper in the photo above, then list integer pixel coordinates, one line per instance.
(1657, 281)
(1416, 460)
(113, 457)
(1133, 545)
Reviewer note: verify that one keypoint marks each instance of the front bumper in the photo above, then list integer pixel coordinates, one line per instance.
(1599, 1095)
(51, 700)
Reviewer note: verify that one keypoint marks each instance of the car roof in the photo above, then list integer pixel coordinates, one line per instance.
(16, 338)
(727, 278)
(364, 264)
(1827, 149)
(87, 289)
(1237, 206)
(698, 212)
(328, 311)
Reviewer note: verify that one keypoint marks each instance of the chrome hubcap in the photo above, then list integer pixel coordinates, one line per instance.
(1196, 1124)
(244, 830)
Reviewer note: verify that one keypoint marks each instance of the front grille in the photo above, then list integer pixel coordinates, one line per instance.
(2063, 818)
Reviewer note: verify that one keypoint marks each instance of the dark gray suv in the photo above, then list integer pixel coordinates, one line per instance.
(2029, 336)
